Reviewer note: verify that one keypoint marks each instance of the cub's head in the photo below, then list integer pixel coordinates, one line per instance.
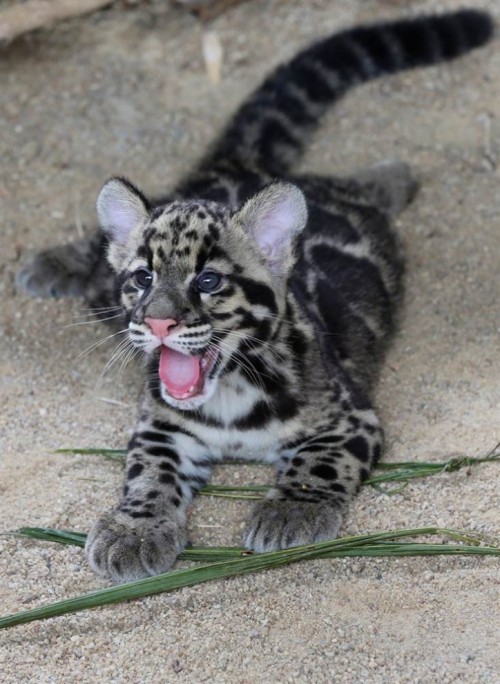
(200, 284)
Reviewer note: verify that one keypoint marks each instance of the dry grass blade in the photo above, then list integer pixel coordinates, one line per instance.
(236, 491)
(213, 55)
(243, 562)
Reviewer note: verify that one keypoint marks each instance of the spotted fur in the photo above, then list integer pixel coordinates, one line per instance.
(280, 294)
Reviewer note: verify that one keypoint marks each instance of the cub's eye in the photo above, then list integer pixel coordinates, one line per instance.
(208, 281)
(143, 278)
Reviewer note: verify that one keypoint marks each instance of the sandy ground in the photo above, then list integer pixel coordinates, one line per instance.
(125, 92)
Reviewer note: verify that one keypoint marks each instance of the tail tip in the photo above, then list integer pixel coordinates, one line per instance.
(478, 25)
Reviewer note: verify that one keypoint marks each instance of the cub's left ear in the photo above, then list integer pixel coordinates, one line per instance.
(274, 217)
(121, 207)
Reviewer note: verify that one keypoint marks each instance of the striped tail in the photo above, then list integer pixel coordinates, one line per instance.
(269, 132)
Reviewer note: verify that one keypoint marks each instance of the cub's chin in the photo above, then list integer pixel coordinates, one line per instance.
(190, 403)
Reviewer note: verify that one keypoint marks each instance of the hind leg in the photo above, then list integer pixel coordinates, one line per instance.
(78, 269)
(61, 271)
(388, 186)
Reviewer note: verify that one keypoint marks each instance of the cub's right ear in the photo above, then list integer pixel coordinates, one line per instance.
(121, 207)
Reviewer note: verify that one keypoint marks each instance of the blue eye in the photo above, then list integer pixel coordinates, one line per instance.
(143, 278)
(208, 281)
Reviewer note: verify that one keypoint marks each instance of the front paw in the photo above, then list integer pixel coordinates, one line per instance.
(279, 524)
(122, 548)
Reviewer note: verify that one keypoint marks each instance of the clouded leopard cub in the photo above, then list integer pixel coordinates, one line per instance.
(263, 303)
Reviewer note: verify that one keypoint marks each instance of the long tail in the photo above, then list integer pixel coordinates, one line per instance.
(269, 131)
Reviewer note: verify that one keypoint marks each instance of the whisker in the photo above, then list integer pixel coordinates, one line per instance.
(130, 353)
(117, 353)
(124, 350)
(97, 320)
(95, 310)
(115, 402)
(292, 322)
(257, 342)
(94, 346)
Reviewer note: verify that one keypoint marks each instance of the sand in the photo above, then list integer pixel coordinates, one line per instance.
(124, 91)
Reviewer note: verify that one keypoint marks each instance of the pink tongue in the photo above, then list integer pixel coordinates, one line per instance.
(178, 372)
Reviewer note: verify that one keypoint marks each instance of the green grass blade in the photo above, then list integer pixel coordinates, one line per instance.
(115, 453)
(451, 464)
(49, 534)
(192, 553)
(78, 538)
(362, 545)
(401, 472)
(111, 454)
(231, 561)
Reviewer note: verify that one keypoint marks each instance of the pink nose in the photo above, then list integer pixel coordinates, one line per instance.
(160, 326)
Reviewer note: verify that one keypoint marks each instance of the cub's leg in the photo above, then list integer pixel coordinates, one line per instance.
(78, 269)
(389, 185)
(147, 530)
(316, 480)
(63, 270)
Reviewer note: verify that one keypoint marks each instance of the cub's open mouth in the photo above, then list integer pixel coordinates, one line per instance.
(182, 375)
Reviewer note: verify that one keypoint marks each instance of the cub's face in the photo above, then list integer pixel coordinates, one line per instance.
(198, 287)
(197, 293)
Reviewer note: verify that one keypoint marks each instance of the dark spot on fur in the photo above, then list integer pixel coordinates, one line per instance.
(135, 471)
(141, 514)
(163, 451)
(166, 465)
(154, 436)
(337, 487)
(167, 478)
(315, 448)
(134, 442)
(326, 472)
(214, 231)
(358, 447)
(257, 292)
(258, 417)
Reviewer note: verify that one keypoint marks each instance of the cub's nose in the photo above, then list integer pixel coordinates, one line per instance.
(160, 326)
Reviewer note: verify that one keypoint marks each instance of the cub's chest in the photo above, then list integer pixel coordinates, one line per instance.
(259, 445)
(238, 422)
(234, 401)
